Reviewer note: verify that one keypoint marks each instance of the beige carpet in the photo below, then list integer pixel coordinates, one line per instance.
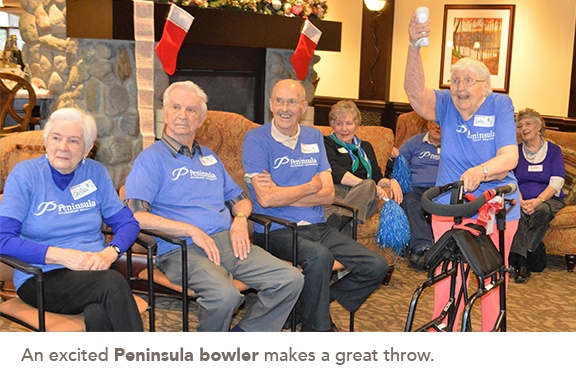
(544, 304)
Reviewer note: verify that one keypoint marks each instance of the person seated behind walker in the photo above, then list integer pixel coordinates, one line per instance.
(357, 177)
(51, 216)
(540, 173)
(288, 175)
(182, 188)
(422, 152)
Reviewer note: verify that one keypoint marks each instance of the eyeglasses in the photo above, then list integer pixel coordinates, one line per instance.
(175, 108)
(291, 102)
(467, 81)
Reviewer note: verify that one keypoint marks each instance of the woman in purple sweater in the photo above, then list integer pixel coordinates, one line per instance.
(540, 173)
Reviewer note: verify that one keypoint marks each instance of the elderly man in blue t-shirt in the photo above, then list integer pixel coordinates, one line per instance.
(288, 175)
(422, 151)
(182, 188)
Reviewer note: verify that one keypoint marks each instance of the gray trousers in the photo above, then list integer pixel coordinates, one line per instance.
(361, 196)
(277, 282)
(532, 228)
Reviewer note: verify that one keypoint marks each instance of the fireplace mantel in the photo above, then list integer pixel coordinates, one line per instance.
(112, 20)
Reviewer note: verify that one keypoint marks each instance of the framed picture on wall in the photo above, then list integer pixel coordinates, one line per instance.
(483, 32)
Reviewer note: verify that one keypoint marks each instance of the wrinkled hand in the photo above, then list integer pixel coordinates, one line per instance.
(417, 30)
(76, 260)
(264, 179)
(108, 256)
(316, 183)
(396, 191)
(202, 240)
(472, 178)
(529, 206)
(380, 193)
(240, 238)
(98, 261)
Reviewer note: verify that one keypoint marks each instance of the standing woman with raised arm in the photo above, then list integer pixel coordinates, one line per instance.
(478, 143)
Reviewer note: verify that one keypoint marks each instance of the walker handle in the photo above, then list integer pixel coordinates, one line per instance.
(463, 209)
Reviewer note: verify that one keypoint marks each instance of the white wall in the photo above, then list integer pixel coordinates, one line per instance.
(339, 72)
(541, 51)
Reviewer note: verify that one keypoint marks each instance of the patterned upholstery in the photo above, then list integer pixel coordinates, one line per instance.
(17, 147)
(407, 125)
(223, 132)
(561, 236)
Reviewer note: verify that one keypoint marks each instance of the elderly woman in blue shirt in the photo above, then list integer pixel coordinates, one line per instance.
(51, 216)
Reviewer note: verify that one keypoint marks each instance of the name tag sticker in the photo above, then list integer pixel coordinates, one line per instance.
(309, 148)
(342, 150)
(208, 160)
(81, 190)
(484, 120)
(535, 168)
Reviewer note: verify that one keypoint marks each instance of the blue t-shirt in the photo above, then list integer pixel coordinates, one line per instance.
(467, 144)
(191, 190)
(423, 159)
(288, 167)
(69, 218)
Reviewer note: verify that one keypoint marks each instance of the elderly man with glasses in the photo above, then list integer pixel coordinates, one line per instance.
(182, 188)
(288, 175)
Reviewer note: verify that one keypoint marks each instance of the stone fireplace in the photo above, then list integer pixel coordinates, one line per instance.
(83, 52)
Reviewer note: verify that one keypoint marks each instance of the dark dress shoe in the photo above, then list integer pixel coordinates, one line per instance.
(522, 275)
(418, 261)
(388, 276)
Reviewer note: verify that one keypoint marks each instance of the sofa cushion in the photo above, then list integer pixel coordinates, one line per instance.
(408, 125)
(567, 141)
(565, 219)
(223, 132)
(17, 147)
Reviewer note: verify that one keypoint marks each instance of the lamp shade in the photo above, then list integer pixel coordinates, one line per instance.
(375, 5)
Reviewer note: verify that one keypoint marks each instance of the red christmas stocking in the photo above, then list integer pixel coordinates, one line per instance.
(175, 29)
(307, 42)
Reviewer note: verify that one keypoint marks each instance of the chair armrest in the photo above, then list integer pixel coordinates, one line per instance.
(176, 240)
(260, 219)
(147, 241)
(274, 219)
(354, 211)
(21, 265)
(38, 277)
(172, 239)
(286, 223)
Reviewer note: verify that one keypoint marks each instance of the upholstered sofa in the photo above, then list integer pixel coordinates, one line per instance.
(17, 147)
(561, 236)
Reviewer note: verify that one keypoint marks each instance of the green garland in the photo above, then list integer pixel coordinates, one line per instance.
(312, 9)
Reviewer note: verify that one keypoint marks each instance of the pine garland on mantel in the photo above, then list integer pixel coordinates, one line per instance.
(312, 9)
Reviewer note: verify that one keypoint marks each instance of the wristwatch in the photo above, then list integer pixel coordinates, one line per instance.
(117, 249)
(484, 170)
(241, 215)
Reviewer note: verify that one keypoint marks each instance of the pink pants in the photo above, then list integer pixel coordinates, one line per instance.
(490, 303)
